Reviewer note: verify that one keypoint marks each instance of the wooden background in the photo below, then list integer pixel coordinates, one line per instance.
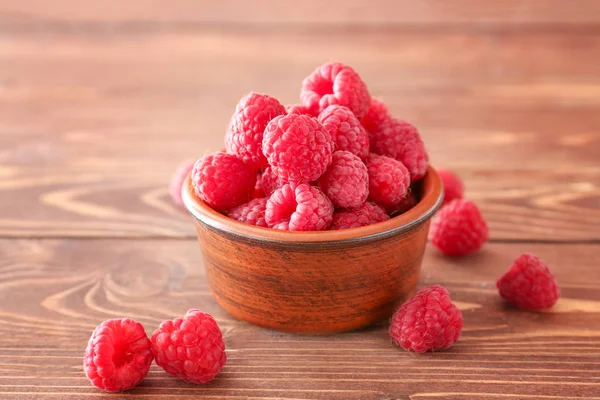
(99, 102)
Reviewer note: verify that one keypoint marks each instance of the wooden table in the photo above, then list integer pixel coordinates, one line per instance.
(99, 101)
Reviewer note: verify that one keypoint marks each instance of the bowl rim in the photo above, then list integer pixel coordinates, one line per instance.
(431, 199)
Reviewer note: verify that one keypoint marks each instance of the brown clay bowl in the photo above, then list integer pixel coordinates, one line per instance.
(314, 282)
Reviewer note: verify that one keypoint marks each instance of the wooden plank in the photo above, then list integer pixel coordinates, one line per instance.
(54, 292)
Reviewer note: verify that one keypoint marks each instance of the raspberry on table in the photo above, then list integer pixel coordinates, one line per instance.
(223, 181)
(401, 140)
(346, 181)
(299, 109)
(366, 214)
(190, 348)
(252, 213)
(335, 83)
(389, 181)
(458, 228)
(453, 185)
(346, 131)
(529, 284)
(245, 133)
(118, 355)
(177, 180)
(298, 147)
(428, 321)
(377, 114)
(299, 208)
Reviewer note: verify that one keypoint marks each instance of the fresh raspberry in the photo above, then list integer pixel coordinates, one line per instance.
(401, 140)
(223, 181)
(453, 185)
(378, 113)
(346, 181)
(298, 147)
(366, 214)
(177, 180)
(408, 202)
(118, 355)
(335, 83)
(346, 131)
(389, 181)
(245, 133)
(252, 213)
(191, 348)
(458, 228)
(269, 182)
(428, 321)
(303, 208)
(529, 284)
(299, 109)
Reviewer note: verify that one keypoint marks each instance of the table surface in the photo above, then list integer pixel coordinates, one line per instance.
(99, 102)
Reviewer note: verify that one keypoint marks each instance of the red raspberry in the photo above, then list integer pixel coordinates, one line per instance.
(458, 228)
(378, 113)
(298, 147)
(401, 140)
(269, 182)
(118, 355)
(299, 109)
(191, 348)
(252, 213)
(427, 322)
(223, 181)
(346, 181)
(303, 208)
(389, 181)
(529, 284)
(366, 214)
(408, 202)
(335, 83)
(453, 185)
(245, 133)
(346, 131)
(177, 180)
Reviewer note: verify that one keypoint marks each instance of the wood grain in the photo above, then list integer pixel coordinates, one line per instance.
(54, 292)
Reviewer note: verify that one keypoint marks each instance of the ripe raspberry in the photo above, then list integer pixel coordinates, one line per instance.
(269, 182)
(346, 181)
(177, 180)
(366, 214)
(298, 147)
(458, 228)
(252, 213)
(401, 140)
(223, 181)
(453, 185)
(408, 202)
(191, 348)
(389, 181)
(378, 113)
(346, 131)
(335, 83)
(427, 322)
(118, 355)
(529, 284)
(303, 208)
(299, 109)
(245, 133)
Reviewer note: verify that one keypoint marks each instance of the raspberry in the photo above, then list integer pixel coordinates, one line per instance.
(346, 181)
(252, 213)
(453, 186)
(529, 284)
(223, 181)
(366, 214)
(401, 140)
(191, 348)
(346, 131)
(269, 182)
(428, 321)
(298, 147)
(335, 83)
(378, 113)
(245, 133)
(408, 202)
(118, 355)
(458, 228)
(299, 109)
(389, 181)
(303, 208)
(177, 180)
